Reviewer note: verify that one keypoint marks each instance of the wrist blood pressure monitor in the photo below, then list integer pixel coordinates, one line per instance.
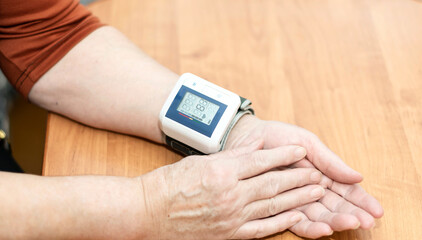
(198, 115)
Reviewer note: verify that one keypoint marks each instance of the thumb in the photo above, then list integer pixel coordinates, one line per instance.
(330, 164)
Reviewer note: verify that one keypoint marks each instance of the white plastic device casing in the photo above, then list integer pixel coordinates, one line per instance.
(189, 136)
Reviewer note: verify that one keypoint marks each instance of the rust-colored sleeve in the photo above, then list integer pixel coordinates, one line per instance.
(36, 34)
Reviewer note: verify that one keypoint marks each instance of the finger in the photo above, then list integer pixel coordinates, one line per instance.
(359, 197)
(353, 193)
(304, 163)
(282, 202)
(264, 160)
(317, 212)
(274, 182)
(338, 204)
(264, 227)
(328, 162)
(237, 152)
(308, 229)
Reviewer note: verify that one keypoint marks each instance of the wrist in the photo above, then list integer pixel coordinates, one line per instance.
(113, 208)
(242, 133)
(154, 202)
(106, 207)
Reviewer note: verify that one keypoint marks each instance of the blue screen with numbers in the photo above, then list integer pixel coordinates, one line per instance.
(196, 111)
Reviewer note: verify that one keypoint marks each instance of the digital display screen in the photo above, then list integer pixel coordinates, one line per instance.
(197, 108)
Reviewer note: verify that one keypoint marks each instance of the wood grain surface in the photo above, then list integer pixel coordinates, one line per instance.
(348, 70)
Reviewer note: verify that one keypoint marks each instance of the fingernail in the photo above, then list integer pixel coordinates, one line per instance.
(357, 226)
(316, 177)
(295, 219)
(300, 153)
(317, 192)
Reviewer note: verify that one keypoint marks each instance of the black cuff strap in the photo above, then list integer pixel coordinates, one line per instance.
(181, 148)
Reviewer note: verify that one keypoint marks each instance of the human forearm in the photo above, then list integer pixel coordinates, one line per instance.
(221, 196)
(88, 207)
(107, 82)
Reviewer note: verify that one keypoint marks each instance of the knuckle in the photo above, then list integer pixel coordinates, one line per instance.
(290, 179)
(301, 176)
(259, 231)
(326, 182)
(281, 226)
(302, 198)
(215, 175)
(289, 151)
(297, 181)
(258, 213)
(285, 154)
(339, 205)
(273, 183)
(233, 223)
(305, 176)
(349, 191)
(226, 203)
(258, 159)
(312, 141)
(272, 207)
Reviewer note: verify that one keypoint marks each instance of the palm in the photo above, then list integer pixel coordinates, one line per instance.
(345, 205)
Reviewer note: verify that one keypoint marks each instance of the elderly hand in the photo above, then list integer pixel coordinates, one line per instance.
(345, 205)
(229, 195)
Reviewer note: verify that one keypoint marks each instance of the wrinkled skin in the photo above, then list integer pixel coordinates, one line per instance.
(344, 206)
(230, 195)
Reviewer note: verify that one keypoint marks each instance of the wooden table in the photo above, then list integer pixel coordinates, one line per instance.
(348, 70)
